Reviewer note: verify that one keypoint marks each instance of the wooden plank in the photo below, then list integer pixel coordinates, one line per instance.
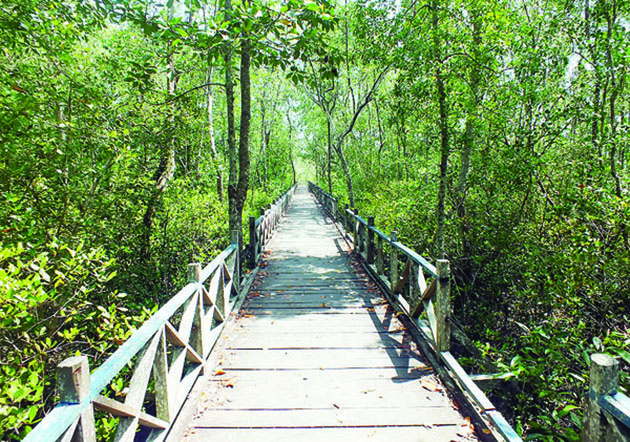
(325, 339)
(142, 373)
(317, 434)
(278, 393)
(116, 408)
(475, 392)
(330, 417)
(427, 294)
(321, 358)
(329, 378)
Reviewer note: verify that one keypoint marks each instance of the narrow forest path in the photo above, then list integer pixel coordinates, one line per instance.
(316, 353)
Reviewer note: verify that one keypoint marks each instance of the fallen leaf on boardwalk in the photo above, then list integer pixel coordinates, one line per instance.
(323, 297)
(370, 309)
(229, 385)
(430, 385)
(219, 372)
(486, 431)
(423, 368)
(336, 406)
(323, 305)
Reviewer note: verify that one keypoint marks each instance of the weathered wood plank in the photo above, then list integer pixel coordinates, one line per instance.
(318, 338)
(330, 417)
(417, 433)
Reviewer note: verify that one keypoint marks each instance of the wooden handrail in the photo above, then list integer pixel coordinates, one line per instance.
(261, 228)
(171, 348)
(400, 274)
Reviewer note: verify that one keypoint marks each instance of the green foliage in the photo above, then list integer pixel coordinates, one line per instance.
(53, 302)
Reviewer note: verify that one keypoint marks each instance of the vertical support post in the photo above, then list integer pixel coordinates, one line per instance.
(271, 224)
(334, 209)
(393, 263)
(197, 340)
(603, 380)
(443, 306)
(73, 380)
(235, 238)
(356, 230)
(252, 242)
(194, 272)
(380, 267)
(346, 221)
(263, 228)
(370, 236)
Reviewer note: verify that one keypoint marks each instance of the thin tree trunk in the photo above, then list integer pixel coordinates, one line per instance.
(444, 151)
(166, 166)
(468, 143)
(238, 194)
(329, 157)
(213, 148)
(233, 217)
(347, 174)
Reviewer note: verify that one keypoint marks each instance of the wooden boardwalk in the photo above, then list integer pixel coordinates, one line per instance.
(316, 353)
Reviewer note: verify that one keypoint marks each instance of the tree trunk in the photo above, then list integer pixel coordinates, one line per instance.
(347, 174)
(468, 144)
(444, 150)
(166, 166)
(234, 219)
(213, 148)
(329, 155)
(237, 192)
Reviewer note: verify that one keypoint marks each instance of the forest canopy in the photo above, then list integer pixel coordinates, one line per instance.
(135, 135)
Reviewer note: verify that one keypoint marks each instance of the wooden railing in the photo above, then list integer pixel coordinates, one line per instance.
(607, 411)
(414, 286)
(156, 368)
(261, 228)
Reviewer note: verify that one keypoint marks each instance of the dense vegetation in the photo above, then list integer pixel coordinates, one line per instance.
(135, 135)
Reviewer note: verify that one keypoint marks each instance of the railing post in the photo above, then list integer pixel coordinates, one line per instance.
(235, 238)
(346, 220)
(443, 306)
(252, 242)
(393, 263)
(356, 230)
(380, 267)
(603, 380)
(370, 236)
(194, 272)
(334, 209)
(73, 381)
(271, 224)
(263, 228)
